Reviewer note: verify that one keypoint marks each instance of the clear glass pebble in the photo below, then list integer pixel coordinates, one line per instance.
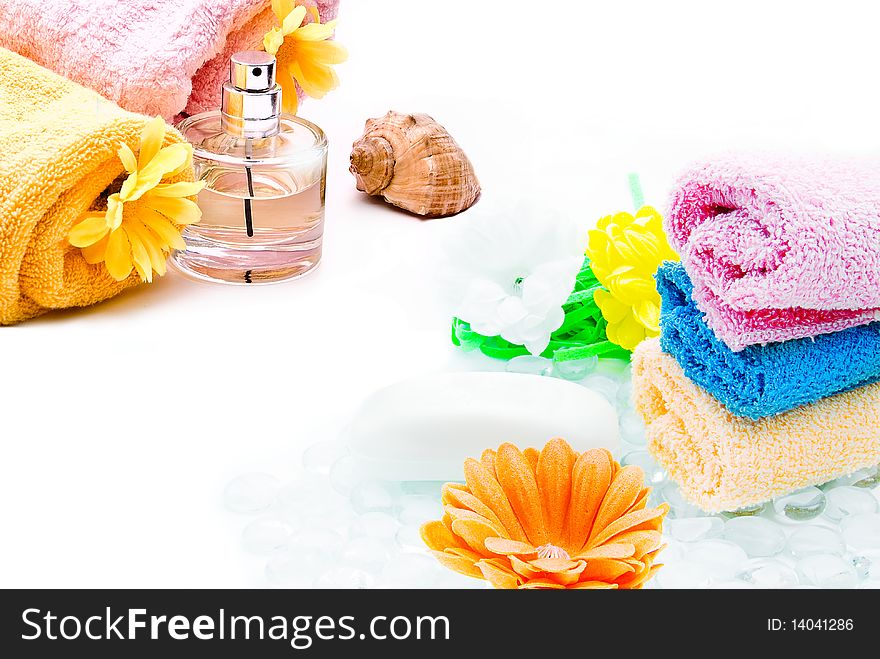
(745, 511)
(632, 428)
(297, 567)
(266, 535)
(428, 488)
(308, 496)
(418, 509)
(602, 384)
(867, 478)
(679, 507)
(871, 584)
(345, 577)
(827, 571)
(800, 506)
(409, 538)
(654, 473)
(758, 536)
(862, 532)
(325, 540)
(862, 564)
(375, 525)
(693, 529)
(338, 517)
(530, 364)
(372, 496)
(684, 575)
(251, 493)
(575, 369)
(365, 553)
(411, 571)
(345, 474)
(768, 573)
(319, 458)
(624, 395)
(722, 558)
(848, 500)
(810, 540)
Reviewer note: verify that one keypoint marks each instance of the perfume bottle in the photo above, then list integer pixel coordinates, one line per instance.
(265, 175)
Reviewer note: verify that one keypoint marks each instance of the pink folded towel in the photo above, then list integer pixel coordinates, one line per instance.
(779, 248)
(151, 56)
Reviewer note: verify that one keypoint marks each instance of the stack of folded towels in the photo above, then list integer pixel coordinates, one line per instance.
(766, 376)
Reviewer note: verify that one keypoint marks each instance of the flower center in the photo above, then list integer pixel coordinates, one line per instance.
(552, 551)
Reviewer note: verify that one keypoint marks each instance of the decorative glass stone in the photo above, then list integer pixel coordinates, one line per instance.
(654, 473)
(603, 385)
(679, 507)
(409, 538)
(411, 571)
(375, 525)
(732, 585)
(297, 567)
(345, 474)
(325, 540)
(802, 505)
(768, 573)
(418, 509)
(266, 535)
(683, 575)
(848, 500)
(745, 511)
(722, 558)
(624, 396)
(862, 532)
(530, 364)
(347, 578)
(693, 529)
(428, 488)
(827, 571)
(809, 540)
(758, 536)
(862, 564)
(251, 493)
(575, 369)
(365, 553)
(319, 458)
(632, 428)
(372, 496)
(867, 478)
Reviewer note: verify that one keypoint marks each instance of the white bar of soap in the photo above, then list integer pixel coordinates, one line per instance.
(424, 428)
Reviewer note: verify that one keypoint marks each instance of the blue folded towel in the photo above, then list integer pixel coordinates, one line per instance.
(762, 380)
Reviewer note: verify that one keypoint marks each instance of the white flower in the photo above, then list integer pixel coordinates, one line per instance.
(511, 273)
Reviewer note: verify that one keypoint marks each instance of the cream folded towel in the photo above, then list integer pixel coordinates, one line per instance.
(724, 462)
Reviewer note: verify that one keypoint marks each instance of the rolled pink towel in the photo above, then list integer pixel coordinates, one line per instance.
(779, 248)
(151, 56)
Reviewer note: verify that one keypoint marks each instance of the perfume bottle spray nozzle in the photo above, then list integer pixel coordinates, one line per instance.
(250, 106)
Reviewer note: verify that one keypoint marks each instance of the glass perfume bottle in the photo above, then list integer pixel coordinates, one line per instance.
(265, 176)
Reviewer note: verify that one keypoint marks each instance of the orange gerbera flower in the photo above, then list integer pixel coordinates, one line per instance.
(548, 519)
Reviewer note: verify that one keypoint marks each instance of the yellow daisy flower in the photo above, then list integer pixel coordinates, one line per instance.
(304, 54)
(625, 252)
(140, 225)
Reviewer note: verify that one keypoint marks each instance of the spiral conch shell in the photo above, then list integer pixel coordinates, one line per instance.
(411, 161)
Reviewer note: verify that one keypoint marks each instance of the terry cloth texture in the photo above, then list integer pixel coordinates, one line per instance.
(765, 380)
(724, 462)
(779, 248)
(58, 144)
(152, 56)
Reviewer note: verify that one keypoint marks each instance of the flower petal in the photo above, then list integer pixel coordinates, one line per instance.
(461, 498)
(167, 233)
(590, 478)
(553, 475)
(458, 564)
(89, 231)
(630, 522)
(129, 160)
(507, 547)
(282, 8)
(177, 209)
(289, 98)
(517, 479)
(499, 576)
(593, 585)
(180, 189)
(605, 569)
(474, 533)
(118, 255)
(94, 254)
(484, 486)
(152, 137)
(437, 537)
(293, 20)
(273, 40)
(621, 494)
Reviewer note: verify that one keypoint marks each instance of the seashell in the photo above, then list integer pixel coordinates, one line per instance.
(411, 161)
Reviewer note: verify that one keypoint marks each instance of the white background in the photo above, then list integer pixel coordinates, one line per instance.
(121, 423)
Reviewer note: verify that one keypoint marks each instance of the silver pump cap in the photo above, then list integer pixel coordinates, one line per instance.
(251, 101)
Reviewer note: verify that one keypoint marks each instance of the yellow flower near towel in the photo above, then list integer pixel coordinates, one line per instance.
(625, 252)
(304, 54)
(140, 225)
